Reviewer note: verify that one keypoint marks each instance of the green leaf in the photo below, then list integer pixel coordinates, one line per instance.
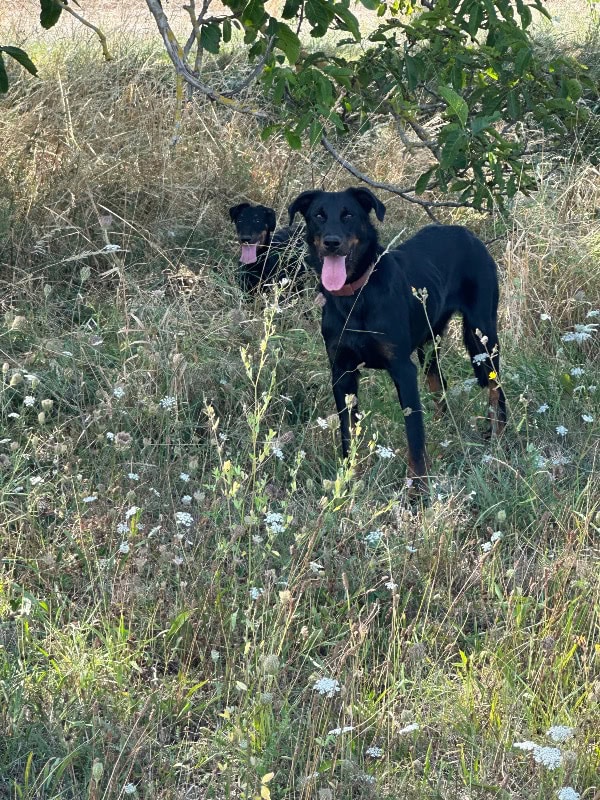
(455, 102)
(315, 133)
(522, 60)
(20, 56)
(574, 88)
(292, 138)
(289, 42)
(423, 180)
(49, 14)
(372, 5)
(350, 23)
(210, 37)
(290, 9)
(3, 77)
(226, 30)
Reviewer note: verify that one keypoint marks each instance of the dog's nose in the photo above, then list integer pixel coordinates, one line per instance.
(332, 242)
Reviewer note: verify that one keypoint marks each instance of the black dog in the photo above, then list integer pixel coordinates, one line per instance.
(267, 254)
(383, 305)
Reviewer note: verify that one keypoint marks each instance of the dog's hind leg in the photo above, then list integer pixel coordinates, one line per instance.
(484, 349)
(436, 383)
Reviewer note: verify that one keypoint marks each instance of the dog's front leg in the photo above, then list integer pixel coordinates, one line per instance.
(345, 382)
(404, 375)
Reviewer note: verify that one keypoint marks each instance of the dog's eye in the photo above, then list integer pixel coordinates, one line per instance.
(346, 216)
(320, 216)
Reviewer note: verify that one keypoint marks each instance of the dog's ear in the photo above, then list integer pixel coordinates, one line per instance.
(271, 219)
(301, 203)
(235, 211)
(368, 201)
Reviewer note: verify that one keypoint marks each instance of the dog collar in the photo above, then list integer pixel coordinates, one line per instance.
(348, 289)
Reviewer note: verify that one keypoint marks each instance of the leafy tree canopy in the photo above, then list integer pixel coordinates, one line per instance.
(461, 78)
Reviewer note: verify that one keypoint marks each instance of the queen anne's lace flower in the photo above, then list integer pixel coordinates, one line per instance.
(374, 752)
(550, 757)
(559, 733)
(567, 793)
(327, 686)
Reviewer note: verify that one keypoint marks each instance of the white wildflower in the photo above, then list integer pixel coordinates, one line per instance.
(561, 430)
(384, 452)
(414, 726)
(131, 512)
(124, 548)
(577, 372)
(486, 547)
(340, 731)
(525, 745)
(543, 408)
(183, 476)
(110, 435)
(178, 561)
(373, 538)
(480, 358)
(257, 539)
(274, 522)
(391, 585)
(36, 480)
(587, 417)
(168, 402)
(595, 312)
(374, 752)
(119, 392)
(316, 567)
(567, 793)
(186, 500)
(322, 423)
(580, 334)
(445, 443)
(28, 401)
(559, 733)
(129, 788)
(487, 458)
(91, 499)
(256, 592)
(215, 655)
(545, 317)
(410, 549)
(183, 518)
(14, 415)
(123, 527)
(277, 452)
(550, 757)
(133, 476)
(327, 686)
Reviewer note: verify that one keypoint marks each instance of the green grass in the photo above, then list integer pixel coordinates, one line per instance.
(138, 652)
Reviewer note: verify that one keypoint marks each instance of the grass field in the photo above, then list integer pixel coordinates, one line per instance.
(197, 600)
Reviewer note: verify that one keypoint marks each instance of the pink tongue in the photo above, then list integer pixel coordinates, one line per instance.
(333, 276)
(248, 253)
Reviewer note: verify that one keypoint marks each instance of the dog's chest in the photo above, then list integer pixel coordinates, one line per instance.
(354, 338)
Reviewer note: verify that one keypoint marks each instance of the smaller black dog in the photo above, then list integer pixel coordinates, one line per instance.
(381, 306)
(267, 255)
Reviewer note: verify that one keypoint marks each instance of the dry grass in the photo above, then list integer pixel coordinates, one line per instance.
(139, 644)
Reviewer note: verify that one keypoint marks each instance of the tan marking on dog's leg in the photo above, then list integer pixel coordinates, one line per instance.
(497, 424)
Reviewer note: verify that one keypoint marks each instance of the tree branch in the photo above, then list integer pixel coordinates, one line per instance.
(176, 54)
(97, 31)
(402, 192)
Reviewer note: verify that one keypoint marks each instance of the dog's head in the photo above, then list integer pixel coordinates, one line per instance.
(254, 226)
(339, 231)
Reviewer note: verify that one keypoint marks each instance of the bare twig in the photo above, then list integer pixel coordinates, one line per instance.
(403, 192)
(88, 24)
(176, 54)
